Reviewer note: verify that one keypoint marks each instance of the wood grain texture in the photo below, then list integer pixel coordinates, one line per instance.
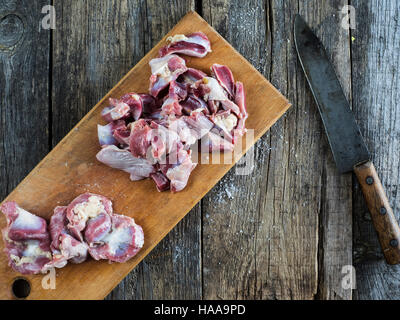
(335, 194)
(376, 61)
(24, 109)
(293, 206)
(69, 170)
(381, 213)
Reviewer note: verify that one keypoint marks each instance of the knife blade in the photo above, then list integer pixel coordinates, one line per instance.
(348, 147)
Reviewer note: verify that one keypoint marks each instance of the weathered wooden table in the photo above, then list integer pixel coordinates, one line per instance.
(284, 232)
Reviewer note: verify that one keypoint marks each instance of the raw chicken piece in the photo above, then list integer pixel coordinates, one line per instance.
(210, 89)
(64, 246)
(240, 100)
(23, 225)
(26, 240)
(27, 256)
(85, 207)
(139, 140)
(191, 76)
(213, 142)
(106, 133)
(162, 182)
(163, 141)
(225, 78)
(135, 103)
(179, 174)
(118, 110)
(150, 104)
(97, 228)
(195, 44)
(114, 157)
(163, 71)
(193, 104)
(124, 240)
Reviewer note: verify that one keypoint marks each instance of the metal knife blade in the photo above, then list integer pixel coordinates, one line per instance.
(347, 144)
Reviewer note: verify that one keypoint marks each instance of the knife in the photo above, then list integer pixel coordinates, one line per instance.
(348, 147)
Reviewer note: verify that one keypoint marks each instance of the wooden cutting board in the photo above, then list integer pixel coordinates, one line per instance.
(71, 169)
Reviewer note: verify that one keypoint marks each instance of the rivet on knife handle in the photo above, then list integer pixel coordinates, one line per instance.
(382, 214)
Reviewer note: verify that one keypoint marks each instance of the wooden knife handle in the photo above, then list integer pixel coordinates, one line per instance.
(382, 214)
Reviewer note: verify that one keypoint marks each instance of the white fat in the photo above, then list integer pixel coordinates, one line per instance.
(176, 38)
(216, 91)
(139, 237)
(32, 252)
(89, 209)
(118, 237)
(159, 67)
(228, 123)
(27, 220)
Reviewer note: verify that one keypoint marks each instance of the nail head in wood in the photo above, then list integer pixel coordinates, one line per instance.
(394, 243)
(369, 180)
(383, 211)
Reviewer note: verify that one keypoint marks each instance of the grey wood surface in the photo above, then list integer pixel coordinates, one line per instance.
(283, 232)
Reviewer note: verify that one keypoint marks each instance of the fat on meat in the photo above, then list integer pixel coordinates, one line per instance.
(124, 241)
(26, 239)
(195, 44)
(163, 71)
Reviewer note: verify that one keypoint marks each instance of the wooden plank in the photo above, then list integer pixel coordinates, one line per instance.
(335, 216)
(269, 220)
(103, 52)
(376, 57)
(69, 170)
(24, 69)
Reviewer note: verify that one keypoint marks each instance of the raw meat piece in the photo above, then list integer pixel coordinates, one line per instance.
(171, 106)
(163, 141)
(210, 89)
(27, 256)
(163, 71)
(191, 76)
(225, 78)
(26, 240)
(97, 228)
(212, 142)
(121, 135)
(199, 124)
(106, 133)
(195, 44)
(124, 240)
(85, 207)
(114, 157)
(139, 140)
(193, 104)
(117, 110)
(179, 174)
(240, 100)
(150, 104)
(23, 225)
(64, 246)
(135, 103)
(162, 182)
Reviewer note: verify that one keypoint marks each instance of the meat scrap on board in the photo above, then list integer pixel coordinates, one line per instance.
(149, 135)
(87, 226)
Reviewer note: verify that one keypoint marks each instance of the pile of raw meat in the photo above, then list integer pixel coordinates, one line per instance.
(151, 135)
(86, 226)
